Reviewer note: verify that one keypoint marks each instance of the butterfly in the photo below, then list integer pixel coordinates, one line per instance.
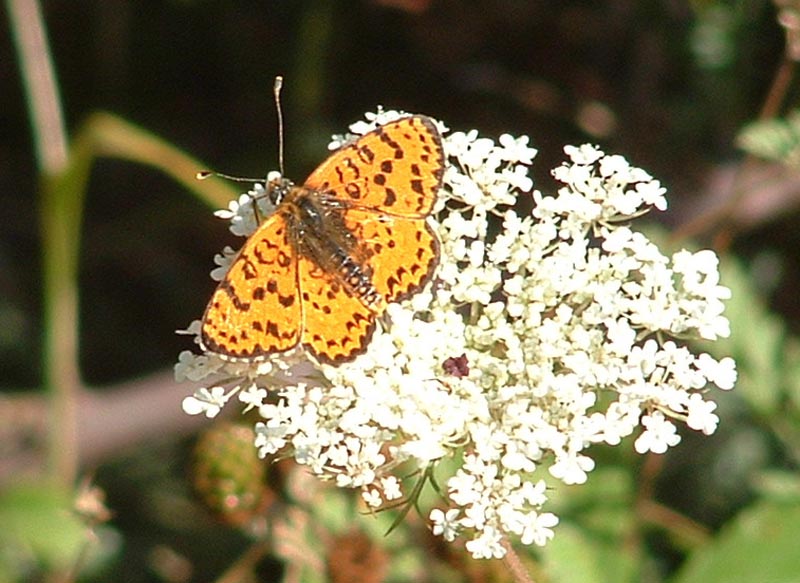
(321, 269)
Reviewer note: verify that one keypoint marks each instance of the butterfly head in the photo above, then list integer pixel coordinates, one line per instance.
(277, 187)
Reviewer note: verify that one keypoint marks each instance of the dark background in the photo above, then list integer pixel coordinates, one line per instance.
(667, 84)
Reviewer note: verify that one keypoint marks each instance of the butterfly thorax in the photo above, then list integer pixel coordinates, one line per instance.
(318, 230)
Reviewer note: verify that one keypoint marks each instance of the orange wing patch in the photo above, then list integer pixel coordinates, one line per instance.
(402, 253)
(337, 325)
(396, 169)
(256, 308)
(320, 271)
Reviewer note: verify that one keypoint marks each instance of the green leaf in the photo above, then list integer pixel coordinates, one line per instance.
(40, 528)
(776, 139)
(597, 519)
(757, 341)
(574, 556)
(779, 486)
(792, 370)
(760, 545)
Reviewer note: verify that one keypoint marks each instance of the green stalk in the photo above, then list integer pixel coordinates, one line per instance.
(60, 213)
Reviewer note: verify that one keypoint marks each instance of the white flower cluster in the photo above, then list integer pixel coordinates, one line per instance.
(541, 335)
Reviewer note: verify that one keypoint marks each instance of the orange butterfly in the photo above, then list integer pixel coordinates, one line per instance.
(321, 269)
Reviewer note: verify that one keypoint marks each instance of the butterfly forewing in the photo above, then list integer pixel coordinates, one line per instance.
(256, 309)
(396, 169)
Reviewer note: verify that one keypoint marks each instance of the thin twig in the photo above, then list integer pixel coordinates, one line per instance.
(514, 564)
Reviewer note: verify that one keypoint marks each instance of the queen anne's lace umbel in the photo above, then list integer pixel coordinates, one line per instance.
(543, 333)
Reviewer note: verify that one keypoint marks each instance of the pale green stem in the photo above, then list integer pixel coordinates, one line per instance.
(60, 225)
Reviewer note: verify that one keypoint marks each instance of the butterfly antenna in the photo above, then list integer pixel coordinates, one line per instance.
(203, 174)
(276, 91)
